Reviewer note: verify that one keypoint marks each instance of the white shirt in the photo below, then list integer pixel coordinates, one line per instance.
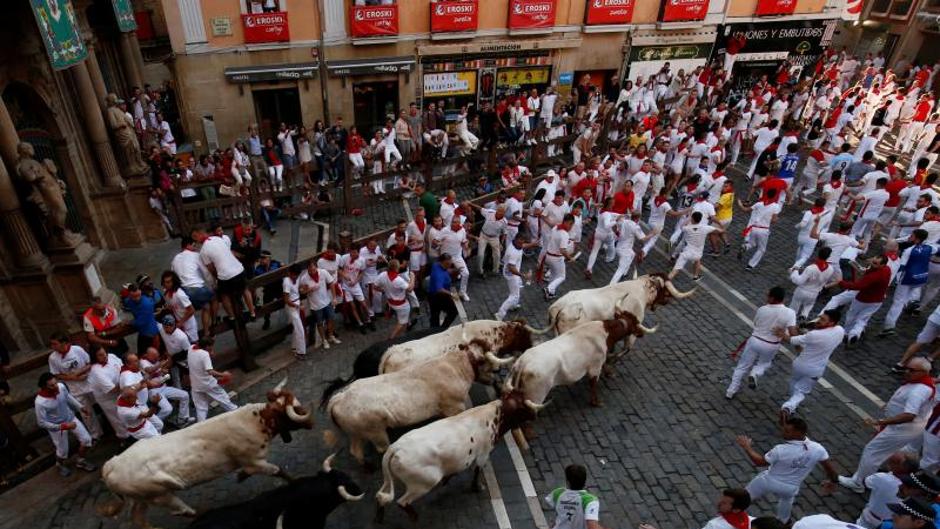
(761, 214)
(548, 105)
(695, 236)
(560, 240)
(832, 195)
(351, 269)
(763, 138)
(818, 345)
(874, 203)
(792, 461)
(513, 208)
(884, 490)
(178, 302)
(493, 227)
(553, 214)
(641, 182)
(200, 363)
(415, 236)
(396, 289)
(512, 256)
(129, 378)
(812, 280)
(769, 317)
(105, 379)
(658, 212)
(74, 359)
(910, 398)
(870, 179)
(838, 242)
(216, 252)
(447, 211)
(573, 508)
(549, 187)
(629, 232)
(176, 341)
(371, 258)
(605, 224)
(188, 266)
(318, 291)
(822, 521)
(806, 223)
(452, 242)
(292, 289)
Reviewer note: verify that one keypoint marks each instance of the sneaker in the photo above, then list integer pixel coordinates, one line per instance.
(335, 340)
(887, 332)
(372, 324)
(752, 382)
(898, 368)
(464, 297)
(740, 252)
(851, 484)
(749, 268)
(696, 278)
(300, 357)
(729, 395)
(326, 344)
(84, 464)
(183, 423)
(64, 471)
(498, 317)
(853, 340)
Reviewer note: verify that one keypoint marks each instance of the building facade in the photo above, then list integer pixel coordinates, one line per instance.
(72, 191)
(296, 61)
(907, 31)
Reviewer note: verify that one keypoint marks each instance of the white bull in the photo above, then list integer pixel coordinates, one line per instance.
(152, 470)
(570, 357)
(595, 304)
(480, 335)
(423, 457)
(368, 407)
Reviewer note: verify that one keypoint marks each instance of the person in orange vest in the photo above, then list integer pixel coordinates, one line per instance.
(103, 326)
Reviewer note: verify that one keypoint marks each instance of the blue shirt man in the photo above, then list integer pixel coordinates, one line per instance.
(912, 276)
(788, 165)
(439, 296)
(142, 308)
(439, 279)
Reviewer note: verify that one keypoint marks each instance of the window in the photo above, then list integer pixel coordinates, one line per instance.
(880, 6)
(265, 6)
(896, 9)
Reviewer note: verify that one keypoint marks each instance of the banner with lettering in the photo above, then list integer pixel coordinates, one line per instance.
(800, 42)
(373, 21)
(124, 13)
(609, 12)
(775, 7)
(450, 84)
(59, 31)
(454, 16)
(266, 27)
(683, 10)
(531, 14)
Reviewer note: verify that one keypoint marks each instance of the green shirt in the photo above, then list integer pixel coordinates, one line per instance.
(430, 204)
(573, 508)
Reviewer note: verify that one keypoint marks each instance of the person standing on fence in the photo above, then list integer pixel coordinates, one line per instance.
(217, 256)
(285, 137)
(206, 381)
(194, 278)
(71, 365)
(290, 289)
(391, 151)
(405, 136)
(53, 407)
(275, 166)
(468, 140)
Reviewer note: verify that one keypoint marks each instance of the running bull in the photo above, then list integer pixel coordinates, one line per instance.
(367, 408)
(301, 504)
(423, 457)
(152, 470)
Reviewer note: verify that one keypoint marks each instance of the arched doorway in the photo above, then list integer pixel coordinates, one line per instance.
(34, 125)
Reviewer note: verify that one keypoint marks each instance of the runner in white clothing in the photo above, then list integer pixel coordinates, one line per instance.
(695, 233)
(603, 236)
(885, 488)
(512, 271)
(557, 252)
(758, 350)
(454, 243)
(816, 347)
(757, 234)
(789, 463)
(872, 204)
(290, 289)
(396, 287)
(205, 381)
(805, 243)
(810, 281)
(628, 234)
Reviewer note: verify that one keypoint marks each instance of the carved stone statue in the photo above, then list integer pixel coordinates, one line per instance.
(122, 125)
(48, 191)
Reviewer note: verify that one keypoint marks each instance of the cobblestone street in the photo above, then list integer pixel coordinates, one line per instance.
(658, 451)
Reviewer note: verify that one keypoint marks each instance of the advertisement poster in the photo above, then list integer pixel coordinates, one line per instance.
(516, 77)
(647, 61)
(373, 21)
(531, 14)
(124, 13)
(450, 84)
(683, 10)
(266, 27)
(59, 31)
(775, 7)
(601, 12)
(454, 16)
(487, 85)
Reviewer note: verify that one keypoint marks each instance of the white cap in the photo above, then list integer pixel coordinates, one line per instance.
(551, 172)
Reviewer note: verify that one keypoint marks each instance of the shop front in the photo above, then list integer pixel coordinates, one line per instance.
(275, 91)
(371, 87)
(768, 44)
(686, 50)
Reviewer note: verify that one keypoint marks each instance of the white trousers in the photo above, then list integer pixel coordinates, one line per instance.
(757, 238)
(801, 383)
(651, 242)
(484, 241)
(151, 428)
(763, 485)
(108, 404)
(903, 294)
(470, 141)
(887, 442)
(908, 134)
(391, 151)
(87, 400)
(512, 300)
(169, 393)
(857, 317)
(930, 455)
(201, 400)
(298, 339)
(356, 159)
(755, 360)
(623, 264)
(462, 269)
(802, 301)
(558, 269)
(60, 439)
(601, 239)
(862, 228)
(804, 251)
(842, 298)
(276, 172)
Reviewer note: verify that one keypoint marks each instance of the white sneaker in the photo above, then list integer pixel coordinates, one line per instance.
(326, 344)
(335, 340)
(464, 297)
(851, 484)
(497, 317)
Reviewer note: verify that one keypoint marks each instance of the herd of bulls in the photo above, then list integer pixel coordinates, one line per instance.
(396, 384)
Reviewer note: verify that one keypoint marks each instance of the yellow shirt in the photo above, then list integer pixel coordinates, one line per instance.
(725, 207)
(636, 140)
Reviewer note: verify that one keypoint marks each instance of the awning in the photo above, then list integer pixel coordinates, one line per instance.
(376, 65)
(272, 72)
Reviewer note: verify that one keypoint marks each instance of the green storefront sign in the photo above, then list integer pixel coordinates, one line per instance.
(668, 53)
(59, 30)
(125, 15)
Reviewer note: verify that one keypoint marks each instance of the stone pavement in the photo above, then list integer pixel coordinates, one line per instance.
(659, 450)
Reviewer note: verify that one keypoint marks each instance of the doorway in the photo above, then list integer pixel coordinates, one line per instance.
(272, 107)
(373, 103)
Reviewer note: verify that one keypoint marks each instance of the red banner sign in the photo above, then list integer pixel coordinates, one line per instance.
(373, 21)
(531, 14)
(683, 10)
(609, 11)
(459, 15)
(775, 7)
(266, 27)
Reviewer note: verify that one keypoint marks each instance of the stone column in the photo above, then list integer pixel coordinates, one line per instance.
(94, 125)
(129, 63)
(97, 79)
(138, 56)
(23, 245)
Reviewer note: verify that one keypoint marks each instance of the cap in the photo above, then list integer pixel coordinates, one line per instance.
(914, 507)
(141, 279)
(168, 320)
(923, 481)
(551, 172)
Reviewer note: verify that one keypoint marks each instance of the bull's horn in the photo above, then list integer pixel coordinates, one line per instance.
(634, 273)
(463, 333)
(297, 417)
(280, 522)
(328, 463)
(280, 385)
(347, 496)
(496, 361)
(675, 292)
(646, 330)
(507, 385)
(533, 406)
(533, 330)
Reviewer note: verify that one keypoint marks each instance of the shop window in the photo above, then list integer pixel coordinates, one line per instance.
(880, 6)
(265, 6)
(892, 8)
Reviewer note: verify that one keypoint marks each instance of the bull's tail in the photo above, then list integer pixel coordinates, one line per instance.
(330, 437)
(332, 387)
(386, 494)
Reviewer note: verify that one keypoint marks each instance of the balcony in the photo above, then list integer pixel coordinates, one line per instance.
(265, 27)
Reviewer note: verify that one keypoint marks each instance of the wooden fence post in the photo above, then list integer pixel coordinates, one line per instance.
(347, 186)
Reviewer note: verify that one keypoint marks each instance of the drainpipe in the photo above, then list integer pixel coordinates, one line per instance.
(321, 48)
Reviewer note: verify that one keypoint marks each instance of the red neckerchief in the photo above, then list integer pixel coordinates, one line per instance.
(65, 353)
(658, 200)
(892, 255)
(449, 201)
(329, 256)
(926, 380)
(49, 393)
(125, 403)
(421, 225)
(768, 201)
(316, 274)
(690, 187)
(738, 520)
(822, 265)
(836, 184)
(561, 228)
(131, 369)
(392, 275)
(816, 210)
